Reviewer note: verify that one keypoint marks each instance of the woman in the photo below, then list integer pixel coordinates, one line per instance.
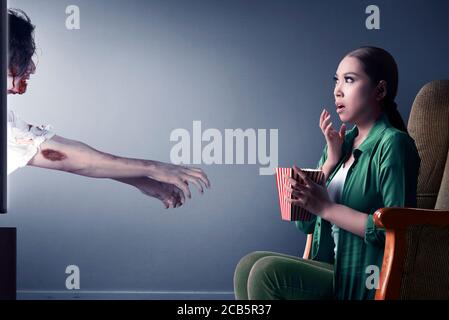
(39, 146)
(373, 165)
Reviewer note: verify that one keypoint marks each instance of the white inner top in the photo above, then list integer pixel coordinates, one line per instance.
(335, 189)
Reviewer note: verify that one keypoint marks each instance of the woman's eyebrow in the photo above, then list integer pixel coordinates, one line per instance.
(347, 73)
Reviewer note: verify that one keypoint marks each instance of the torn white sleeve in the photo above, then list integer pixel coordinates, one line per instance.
(24, 141)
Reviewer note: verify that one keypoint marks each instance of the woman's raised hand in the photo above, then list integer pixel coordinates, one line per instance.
(334, 139)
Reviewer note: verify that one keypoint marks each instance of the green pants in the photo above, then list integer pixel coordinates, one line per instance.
(263, 275)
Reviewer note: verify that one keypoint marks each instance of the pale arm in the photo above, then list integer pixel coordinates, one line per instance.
(76, 157)
(73, 156)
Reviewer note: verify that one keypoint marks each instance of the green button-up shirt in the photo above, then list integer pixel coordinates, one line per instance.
(384, 174)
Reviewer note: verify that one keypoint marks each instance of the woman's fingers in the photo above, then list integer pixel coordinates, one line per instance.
(328, 128)
(295, 192)
(308, 182)
(299, 201)
(325, 122)
(342, 131)
(292, 181)
(295, 185)
(322, 117)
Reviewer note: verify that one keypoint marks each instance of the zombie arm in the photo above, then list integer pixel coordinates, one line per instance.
(59, 153)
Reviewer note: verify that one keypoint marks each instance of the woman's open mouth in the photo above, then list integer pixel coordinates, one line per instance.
(340, 108)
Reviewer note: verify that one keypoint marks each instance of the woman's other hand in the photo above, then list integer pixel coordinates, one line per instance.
(334, 139)
(308, 195)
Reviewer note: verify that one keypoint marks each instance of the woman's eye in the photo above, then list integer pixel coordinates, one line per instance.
(348, 79)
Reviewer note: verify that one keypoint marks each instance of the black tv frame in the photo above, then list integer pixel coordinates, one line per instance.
(3, 107)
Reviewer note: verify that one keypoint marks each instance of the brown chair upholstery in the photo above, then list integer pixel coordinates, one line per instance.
(428, 125)
(416, 258)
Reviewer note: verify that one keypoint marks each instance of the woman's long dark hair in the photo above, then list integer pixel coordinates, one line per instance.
(379, 65)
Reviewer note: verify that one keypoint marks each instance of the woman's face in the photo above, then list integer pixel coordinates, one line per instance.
(18, 85)
(355, 96)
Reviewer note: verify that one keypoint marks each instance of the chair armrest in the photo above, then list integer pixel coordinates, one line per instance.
(395, 221)
(401, 218)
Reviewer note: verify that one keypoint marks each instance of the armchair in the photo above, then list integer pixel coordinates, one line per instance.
(416, 256)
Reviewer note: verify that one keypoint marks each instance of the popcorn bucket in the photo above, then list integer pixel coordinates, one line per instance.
(292, 212)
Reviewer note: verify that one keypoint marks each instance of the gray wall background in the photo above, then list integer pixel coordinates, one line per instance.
(137, 70)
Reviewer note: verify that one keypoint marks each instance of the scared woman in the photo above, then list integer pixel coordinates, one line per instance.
(371, 166)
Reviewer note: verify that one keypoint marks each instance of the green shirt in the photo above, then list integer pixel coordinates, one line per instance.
(384, 174)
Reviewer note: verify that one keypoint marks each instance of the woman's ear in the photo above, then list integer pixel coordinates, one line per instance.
(381, 90)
